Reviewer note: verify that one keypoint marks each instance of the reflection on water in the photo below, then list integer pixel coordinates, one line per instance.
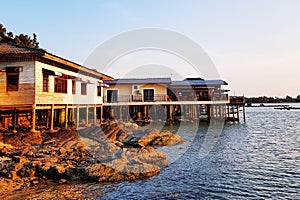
(258, 160)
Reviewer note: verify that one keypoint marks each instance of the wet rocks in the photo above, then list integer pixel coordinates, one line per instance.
(111, 152)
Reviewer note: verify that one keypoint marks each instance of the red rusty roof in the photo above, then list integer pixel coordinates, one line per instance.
(11, 48)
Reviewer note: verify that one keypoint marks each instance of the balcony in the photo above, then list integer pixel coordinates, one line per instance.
(135, 98)
(215, 97)
(163, 98)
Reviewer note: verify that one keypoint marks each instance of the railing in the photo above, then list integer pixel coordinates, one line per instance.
(216, 97)
(237, 100)
(135, 98)
(163, 97)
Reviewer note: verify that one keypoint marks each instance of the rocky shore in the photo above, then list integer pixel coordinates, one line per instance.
(112, 152)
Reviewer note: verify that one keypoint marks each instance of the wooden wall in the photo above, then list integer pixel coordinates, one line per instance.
(58, 98)
(31, 87)
(25, 94)
(127, 89)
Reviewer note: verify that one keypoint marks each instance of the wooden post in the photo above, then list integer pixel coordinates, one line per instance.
(33, 118)
(171, 113)
(73, 115)
(120, 113)
(95, 115)
(244, 113)
(66, 116)
(14, 120)
(77, 117)
(101, 114)
(228, 111)
(87, 115)
(52, 118)
(238, 112)
(47, 118)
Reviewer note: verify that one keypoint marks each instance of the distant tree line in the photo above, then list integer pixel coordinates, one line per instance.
(264, 99)
(21, 40)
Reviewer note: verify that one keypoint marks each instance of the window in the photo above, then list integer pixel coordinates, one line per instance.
(45, 82)
(61, 84)
(99, 88)
(112, 96)
(73, 86)
(148, 94)
(12, 78)
(83, 88)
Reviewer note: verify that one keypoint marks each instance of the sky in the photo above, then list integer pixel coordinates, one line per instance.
(254, 45)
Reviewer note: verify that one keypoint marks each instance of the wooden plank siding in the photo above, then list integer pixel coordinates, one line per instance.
(52, 97)
(30, 89)
(25, 93)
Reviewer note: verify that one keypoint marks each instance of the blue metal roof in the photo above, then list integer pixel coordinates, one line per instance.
(126, 81)
(198, 82)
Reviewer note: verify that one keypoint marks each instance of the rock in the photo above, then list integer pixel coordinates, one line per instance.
(155, 137)
(62, 181)
(114, 151)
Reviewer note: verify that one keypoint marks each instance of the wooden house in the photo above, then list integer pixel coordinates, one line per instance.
(132, 98)
(164, 99)
(46, 88)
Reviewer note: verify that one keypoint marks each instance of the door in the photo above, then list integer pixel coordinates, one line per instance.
(112, 96)
(148, 94)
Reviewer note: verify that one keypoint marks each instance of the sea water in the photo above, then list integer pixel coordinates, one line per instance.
(256, 160)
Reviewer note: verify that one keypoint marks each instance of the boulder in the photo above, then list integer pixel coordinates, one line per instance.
(114, 151)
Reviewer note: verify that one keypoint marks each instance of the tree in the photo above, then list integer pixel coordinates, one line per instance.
(2, 32)
(21, 40)
(35, 42)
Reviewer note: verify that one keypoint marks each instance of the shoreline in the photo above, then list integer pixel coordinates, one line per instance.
(112, 152)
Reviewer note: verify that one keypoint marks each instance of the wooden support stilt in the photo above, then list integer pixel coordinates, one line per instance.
(101, 114)
(33, 118)
(87, 115)
(73, 115)
(171, 112)
(66, 116)
(120, 113)
(95, 115)
(52, 118)
(14, 120)
(47, 118)
(228, 112)
(238, 112)
(77, 116)
(244, 113)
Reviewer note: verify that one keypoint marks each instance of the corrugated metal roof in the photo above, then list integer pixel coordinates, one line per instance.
(198, 82)
(10, 48)
(138, 81)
